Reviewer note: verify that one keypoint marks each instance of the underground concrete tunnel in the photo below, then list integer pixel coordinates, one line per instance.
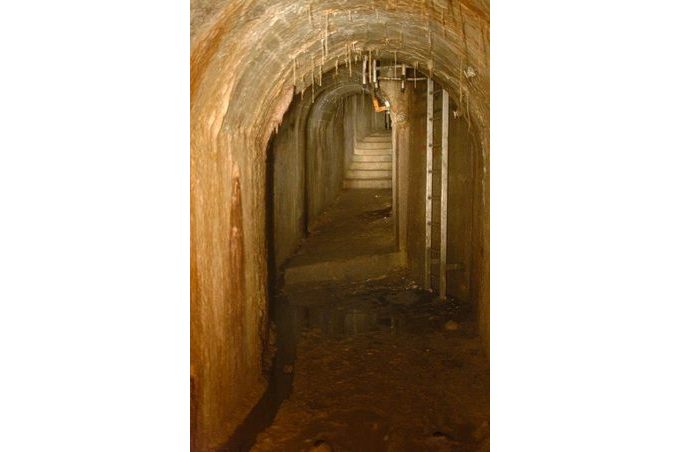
(330, 310)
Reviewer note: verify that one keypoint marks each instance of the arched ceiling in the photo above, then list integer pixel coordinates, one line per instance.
(244, 52)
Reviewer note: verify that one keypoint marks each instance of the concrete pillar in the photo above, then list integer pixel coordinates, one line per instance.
(400, 113)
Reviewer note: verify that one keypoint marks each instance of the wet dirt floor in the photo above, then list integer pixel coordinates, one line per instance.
(370, 365)
(357, 223)
(380, 366)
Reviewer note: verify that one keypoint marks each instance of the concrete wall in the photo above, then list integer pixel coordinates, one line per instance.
(350, 127)
(286, 177)
(228, 275)
(307, 161)
(467, 206)
(300, 176)
(366, 119)
(415, 228)
(463, 180)
(325, 156)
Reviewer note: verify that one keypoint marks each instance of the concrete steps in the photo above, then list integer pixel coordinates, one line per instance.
(371, 158)
(364, 183)
(371, 165)
(360, 165)
(379, 145)
(364, 151)
(378, 139)
(369, 174)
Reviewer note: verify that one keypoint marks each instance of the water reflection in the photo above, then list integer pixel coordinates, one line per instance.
(334, 315)
(333, 321)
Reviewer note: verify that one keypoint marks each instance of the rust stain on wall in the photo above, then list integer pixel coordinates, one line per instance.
(236, 279)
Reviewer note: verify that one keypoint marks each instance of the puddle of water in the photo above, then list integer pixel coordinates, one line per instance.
(352, 316)
(334, 314)
(388, 310)
(337, 322)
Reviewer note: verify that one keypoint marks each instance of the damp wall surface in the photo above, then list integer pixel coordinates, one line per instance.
(308, 156)
(325, 156)
(415, 227)
(466, 245)
(228, 277)
(286, 163)
(464, 160)
(366, 119)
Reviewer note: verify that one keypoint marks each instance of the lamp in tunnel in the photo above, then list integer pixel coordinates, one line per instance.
(380, 103)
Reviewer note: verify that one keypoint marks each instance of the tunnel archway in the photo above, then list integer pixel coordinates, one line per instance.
(249, 60)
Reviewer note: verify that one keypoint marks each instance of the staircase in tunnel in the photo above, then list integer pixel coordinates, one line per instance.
(371, 165)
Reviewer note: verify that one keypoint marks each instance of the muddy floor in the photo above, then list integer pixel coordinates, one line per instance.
(369, 364)
(357, 223)
(379, 365)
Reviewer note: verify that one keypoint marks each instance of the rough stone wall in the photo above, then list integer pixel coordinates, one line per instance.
(243, 55)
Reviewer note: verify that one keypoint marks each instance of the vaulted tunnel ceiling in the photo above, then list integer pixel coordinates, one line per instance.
(244, 52)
